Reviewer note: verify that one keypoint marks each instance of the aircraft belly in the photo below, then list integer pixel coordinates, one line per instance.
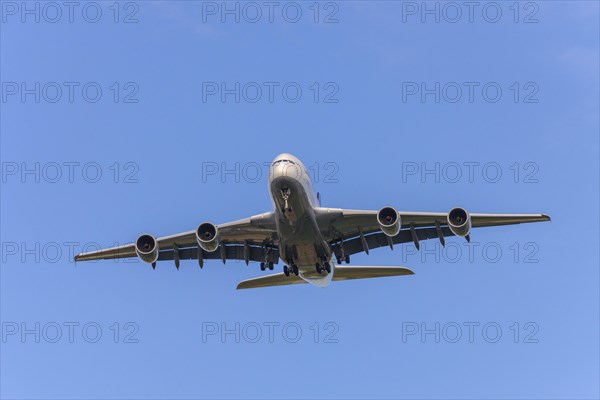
(307, 256)
(301, 241)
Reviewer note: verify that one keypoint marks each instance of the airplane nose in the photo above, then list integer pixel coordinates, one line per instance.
(277, 171)
(285, 170)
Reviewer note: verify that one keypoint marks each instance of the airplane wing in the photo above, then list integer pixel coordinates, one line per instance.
(340, 274)
(254, 239)
(355, 231)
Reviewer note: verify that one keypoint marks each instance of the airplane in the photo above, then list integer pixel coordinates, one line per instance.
(305, 236)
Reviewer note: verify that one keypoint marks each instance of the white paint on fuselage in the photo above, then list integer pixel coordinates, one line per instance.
(298, 228)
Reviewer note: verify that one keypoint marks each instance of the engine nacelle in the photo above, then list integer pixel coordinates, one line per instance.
(389, 221)
(459, 221)
(146, 248)
(207, 236)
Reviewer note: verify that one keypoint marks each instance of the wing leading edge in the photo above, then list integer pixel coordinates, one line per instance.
(258, 232)
(346, 229)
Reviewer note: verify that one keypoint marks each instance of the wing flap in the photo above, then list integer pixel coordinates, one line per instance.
(232, 252)
(376, 240)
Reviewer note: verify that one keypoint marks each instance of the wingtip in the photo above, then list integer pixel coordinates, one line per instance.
(546, 217)
(242, 285)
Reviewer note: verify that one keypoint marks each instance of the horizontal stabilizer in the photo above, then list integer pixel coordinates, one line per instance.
(340, 274)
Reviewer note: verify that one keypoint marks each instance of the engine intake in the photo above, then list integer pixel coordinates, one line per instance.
(459, 221)
(207, 236)
(146, 248)
(389, 221)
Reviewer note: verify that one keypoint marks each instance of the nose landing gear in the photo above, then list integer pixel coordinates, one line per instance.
(285, 194)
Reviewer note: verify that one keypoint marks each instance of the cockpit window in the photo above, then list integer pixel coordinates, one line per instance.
(279, 161)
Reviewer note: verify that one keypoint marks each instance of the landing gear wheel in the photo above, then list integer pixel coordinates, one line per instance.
(271, 265)
(295, 269)
(338, 260)
(319, 269)
(327, 267)
(347, 259)
(286, 270)
(262, 266)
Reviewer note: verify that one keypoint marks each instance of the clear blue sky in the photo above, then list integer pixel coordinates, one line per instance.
(374, 129)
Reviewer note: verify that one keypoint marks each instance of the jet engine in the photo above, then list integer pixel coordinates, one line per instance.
(146, 248)
(207, 236)
(459, 221)
(389, 221)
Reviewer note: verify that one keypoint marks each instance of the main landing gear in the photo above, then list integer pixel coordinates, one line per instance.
(325, 267)
(345, 259)
(290, 270)
(265, 265)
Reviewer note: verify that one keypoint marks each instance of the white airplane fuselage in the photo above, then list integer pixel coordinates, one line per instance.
(308, 236)
(301, 242)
